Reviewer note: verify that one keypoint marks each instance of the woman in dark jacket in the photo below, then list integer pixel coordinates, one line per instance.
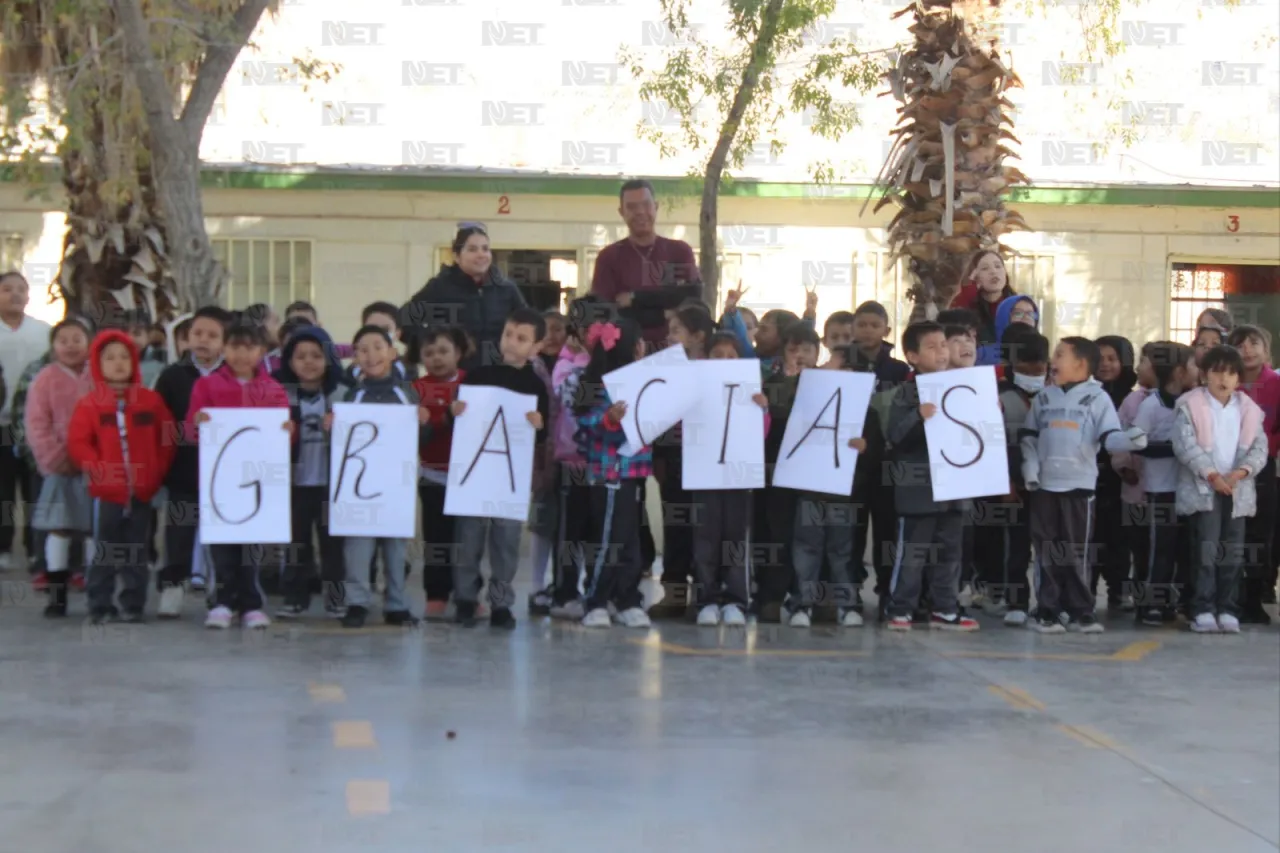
(471, 293)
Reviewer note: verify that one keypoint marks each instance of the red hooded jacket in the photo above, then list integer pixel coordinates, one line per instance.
(94, 437)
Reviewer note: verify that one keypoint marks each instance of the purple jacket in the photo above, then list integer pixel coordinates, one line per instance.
(564, 384)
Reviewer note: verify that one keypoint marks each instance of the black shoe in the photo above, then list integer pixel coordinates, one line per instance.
(922, 616)
(55, 610)
(540, 602)
(354, 617)
(400, 618)
(133, 617)
(466, 614)
(1151, 617)
(501, 618)
(1254, 616)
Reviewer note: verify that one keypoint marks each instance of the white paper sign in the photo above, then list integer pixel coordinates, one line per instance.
(491, 459)
(244, 477)
(659, 390)
(968, 456)
(723, 435)
(373, 470)
(830, 410)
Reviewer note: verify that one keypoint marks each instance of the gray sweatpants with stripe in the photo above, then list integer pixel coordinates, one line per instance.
(502, 536)
(932, 543)
(1062, 530)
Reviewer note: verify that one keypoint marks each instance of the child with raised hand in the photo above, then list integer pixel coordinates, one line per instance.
(240, 382)
(1175, 370)
(1065, 427)
(615, 482)
(721, 572)
(518, 346)
(1219, 438)
(378, 383)
(310, 373)
(63, 509)
(122, 437)
(442, 348)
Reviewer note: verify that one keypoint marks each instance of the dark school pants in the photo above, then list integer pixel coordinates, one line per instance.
(1259, 567)
(16, 475)
(310, 512)
(931, 544)
(180, 530)
(440, 543)
(720, 547)
(679, 514)
(1160, 574)
(120, 540)
(1002, 549)
(235, 576)
(1114, 546)
(1218, 555)
(823, 533)
(577, 534)
(771, 541)
(1062, 528)
(615, 557)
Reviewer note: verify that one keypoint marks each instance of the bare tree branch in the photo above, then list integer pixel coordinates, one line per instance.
(156, 99)
(220, 54)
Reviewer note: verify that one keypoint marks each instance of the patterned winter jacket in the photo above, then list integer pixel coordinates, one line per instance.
(20, 447)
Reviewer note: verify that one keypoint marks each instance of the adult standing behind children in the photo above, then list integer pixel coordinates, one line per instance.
(471, 293)
(644, 272)
(23, 339)
(984, 285)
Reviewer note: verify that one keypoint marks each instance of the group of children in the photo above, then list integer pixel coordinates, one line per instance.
(1145, 473)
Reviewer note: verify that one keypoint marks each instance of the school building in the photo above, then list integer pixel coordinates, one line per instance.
(1141, 261)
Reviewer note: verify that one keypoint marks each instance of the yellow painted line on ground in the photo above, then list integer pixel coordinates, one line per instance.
(1135, 652)
(368, 797)
(1079, 736)
(1017, 697)
(326, 694)
(354, 734)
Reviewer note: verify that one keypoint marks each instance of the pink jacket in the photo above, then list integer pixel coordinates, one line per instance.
(1266, 393)
(1128, 410)
(221, 390)
(564, 428)
(1197, 403)
(51, 401)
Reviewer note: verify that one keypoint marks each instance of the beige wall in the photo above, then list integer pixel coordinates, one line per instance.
(1094, 269)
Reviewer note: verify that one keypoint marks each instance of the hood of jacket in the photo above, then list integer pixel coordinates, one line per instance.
(1005, 310)
(1117, 389)
(333, 365)
(100, 342)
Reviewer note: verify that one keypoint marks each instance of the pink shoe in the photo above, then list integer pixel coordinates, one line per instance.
(436, 609)
(255, 619)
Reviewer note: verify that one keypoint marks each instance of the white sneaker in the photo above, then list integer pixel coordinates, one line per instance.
(219, 618)
(1205, 623)
(996, 607)
(170, 603)
(1016, 618)
(569, 610)
(1228, 624)
(709, 616)
(850, 619)
(733, 617)
(6, 561)
(634, 617)
(255, 619)
(799, 619)
(598, 618)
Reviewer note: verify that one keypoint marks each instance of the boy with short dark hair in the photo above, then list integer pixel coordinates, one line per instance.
(305, 310)
(870, 329)
(1002, 532)
(837, 331)
(930, 533)
(523, 331)
(1065, 426)
(385, 316)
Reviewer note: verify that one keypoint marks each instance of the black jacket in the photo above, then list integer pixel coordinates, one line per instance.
(174, 385)
(521, 380)
(908, 455)
(453, 298)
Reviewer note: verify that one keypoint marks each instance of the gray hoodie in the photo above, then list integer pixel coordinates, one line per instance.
(1062, 433)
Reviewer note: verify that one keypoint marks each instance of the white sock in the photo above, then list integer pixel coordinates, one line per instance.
(541, 550)
(57, 552)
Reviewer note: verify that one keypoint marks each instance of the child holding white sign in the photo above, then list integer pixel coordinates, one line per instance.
(241, 382)
(616, 481)
(930, 533)
(519, 343)
(379, 383)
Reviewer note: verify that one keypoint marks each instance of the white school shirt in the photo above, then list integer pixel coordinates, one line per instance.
(18, 348)
(1156, 420)
(1226, 432)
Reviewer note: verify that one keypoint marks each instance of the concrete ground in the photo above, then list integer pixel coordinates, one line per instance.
(552, 738)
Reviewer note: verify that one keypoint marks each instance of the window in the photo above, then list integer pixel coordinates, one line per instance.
(1250, 292)
(276, 272)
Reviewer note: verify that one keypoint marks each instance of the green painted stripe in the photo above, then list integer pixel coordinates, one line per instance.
(607, 187)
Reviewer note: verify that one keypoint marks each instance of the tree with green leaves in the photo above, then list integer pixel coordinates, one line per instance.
(730, 97)
(117, 94)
